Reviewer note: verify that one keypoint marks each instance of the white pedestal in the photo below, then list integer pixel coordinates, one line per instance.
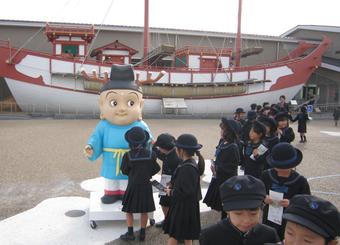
(99, 211)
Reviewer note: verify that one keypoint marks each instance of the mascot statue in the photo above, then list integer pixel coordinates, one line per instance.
(121, 103)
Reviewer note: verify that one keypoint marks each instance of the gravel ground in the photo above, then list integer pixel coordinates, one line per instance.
(41, 159)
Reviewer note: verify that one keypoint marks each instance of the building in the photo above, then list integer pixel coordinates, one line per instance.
(325, 82)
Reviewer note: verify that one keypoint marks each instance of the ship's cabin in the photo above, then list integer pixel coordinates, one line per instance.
(114, 53)
(70, 41)
(200, 58)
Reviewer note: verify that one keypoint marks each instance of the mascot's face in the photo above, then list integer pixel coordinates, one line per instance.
(121, 106)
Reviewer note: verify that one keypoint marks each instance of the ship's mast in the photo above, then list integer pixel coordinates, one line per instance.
(146, 31)
(238, 36)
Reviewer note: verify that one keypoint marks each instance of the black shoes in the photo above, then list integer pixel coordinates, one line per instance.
(109, 199)
(159, 224)
(128, 237)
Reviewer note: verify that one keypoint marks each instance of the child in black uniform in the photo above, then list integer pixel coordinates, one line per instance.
(271, 138)
(285, 133)
(311, 220)
(183, 219)
(227, 158)
(165, 150)
(140, 165)
(302, 119)
(283, 179)
(255, 152)
(242, 198)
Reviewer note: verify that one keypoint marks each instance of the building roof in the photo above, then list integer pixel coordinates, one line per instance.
(335, 29)
(40, 24)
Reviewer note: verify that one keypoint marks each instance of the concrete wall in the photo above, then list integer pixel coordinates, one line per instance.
(272, 49)
(317, 35)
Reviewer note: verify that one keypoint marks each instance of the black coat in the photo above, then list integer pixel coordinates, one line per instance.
(288, 135)
(293, 185)
(336, 114)
(283, 107)
(271, 141)
(254, 167)
(227, 160)
(302, 119)
(140, 166)
(170, 163)
(224, 233)
(183, 219)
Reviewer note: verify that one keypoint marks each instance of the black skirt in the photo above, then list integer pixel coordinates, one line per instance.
(302, 128)
(183, 220)
(138, 199)
(165, 201)
(213, 198)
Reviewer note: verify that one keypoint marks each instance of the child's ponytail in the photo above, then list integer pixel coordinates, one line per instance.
(201, 163)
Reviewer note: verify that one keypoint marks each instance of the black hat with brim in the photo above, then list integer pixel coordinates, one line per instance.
(268, 121)
(137, 136)
(242, 192)
(233, 125)
(249, 202)
(165, 141)
(284, 156)
(122, 77)
(239, 110)
(306, 223)
(188, 142)
(314, 213)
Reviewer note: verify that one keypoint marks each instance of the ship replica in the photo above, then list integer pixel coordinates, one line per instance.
(200, 80)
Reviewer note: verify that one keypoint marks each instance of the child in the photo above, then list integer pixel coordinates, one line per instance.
(183, 219)
(140, 165)
(285, 133)
(239, 116)
(271, 138)
(165, 150)
(227, 158)
(336, 115)
(242, 198)
(244, 135)
(302, 119)
(283, 179)
(311, 220)
(255, 152)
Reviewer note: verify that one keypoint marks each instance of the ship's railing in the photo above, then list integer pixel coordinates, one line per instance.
(60, 112)
(63, 112)
(4, 43)
(329, 107)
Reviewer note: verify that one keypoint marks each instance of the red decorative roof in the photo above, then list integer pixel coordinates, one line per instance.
(54, 31)
(116, 45)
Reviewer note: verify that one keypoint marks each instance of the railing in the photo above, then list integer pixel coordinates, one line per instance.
(326, 107)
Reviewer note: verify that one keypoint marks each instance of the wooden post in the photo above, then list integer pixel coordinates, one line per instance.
(238, 36)
(146, 31)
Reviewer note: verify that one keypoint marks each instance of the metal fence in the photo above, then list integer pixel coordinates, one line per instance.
(326, 107)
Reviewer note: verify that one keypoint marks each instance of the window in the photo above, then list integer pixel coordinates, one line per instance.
(70, 49)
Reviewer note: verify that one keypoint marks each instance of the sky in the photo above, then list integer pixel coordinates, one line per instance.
(264, 17)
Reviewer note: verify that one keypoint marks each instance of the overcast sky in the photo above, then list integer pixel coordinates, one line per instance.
(267, 17)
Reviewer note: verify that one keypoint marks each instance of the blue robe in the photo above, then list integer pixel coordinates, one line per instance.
(109, 140)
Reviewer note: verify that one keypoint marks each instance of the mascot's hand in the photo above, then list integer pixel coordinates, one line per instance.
(88, 151)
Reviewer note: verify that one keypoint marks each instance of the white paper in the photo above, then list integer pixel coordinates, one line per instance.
(165, 179)
(275, 210)
(261, 149)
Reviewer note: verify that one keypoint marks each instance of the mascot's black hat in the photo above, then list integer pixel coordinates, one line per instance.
(122, 77)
